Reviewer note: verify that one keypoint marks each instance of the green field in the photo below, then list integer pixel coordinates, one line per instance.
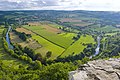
(47, 39)
(48, 46)
(78, 46)
(6, 59)
(110, 34)
(106, 28)
(38, 40)
(81, 24)
(52, 35)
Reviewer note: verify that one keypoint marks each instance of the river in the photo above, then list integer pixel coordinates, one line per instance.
(98, 46)
(8, 39)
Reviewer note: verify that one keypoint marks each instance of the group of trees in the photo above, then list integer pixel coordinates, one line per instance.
(30, 53)
(22, 35)
(111, 46)
(56, 71)
(77, 37)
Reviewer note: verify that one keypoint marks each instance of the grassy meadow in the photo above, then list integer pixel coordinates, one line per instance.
(53, 34)
(38, 43)
(78, 46)
(106, 28)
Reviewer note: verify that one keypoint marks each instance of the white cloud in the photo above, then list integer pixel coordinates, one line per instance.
(101, 5)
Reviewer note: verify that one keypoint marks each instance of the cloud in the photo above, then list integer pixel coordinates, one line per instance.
(101, 5)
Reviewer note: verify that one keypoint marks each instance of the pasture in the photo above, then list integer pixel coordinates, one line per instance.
(74, 22)
(52, 34)
(78, 46)
(39, 44)
(107, 28)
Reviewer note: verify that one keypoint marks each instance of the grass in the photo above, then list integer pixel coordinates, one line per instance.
(31, 43)
(106, 28)
(52, 35)
(110, 34)
(48, 46)
(7, 59)
(54, 25)
(81, 24)
(78, 46)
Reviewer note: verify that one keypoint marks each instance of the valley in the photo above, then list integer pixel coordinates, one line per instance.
(47, 45)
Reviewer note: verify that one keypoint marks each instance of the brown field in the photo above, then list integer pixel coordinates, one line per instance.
(29, 43)
(14, 38)
(70, 20)
(34, 23)
(45, 26)
(24, 30)
(82, 24)
(51, 29)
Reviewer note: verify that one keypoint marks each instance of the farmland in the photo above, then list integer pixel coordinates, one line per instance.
(78, 46)
(30, 42)
(50, 38)
(74, 22)
(106, 28)
(53, 35)
(39, 44)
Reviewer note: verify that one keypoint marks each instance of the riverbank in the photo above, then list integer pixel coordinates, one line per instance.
(8, 39)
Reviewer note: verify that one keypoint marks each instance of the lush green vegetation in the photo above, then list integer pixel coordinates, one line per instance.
(79, 45)
(48, 46)
(52, 36)
(6, 60)
(98, 27)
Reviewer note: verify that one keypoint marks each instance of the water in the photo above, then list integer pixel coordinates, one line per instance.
(98, 47)
(8, 39)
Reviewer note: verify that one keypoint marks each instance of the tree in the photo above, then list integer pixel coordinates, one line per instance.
(38, 56)
(48, 54)
(85, 60)
(37, 65)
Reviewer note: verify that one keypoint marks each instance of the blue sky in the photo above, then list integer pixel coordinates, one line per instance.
(95, 5)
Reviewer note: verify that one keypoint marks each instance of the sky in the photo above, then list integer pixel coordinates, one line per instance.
(94, 5)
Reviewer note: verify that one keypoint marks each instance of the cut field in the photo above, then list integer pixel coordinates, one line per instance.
(70, 20)
(52, 35)
(74, 22)
(78, 46)
(31, 43)
(24, 30)
(6, 59)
